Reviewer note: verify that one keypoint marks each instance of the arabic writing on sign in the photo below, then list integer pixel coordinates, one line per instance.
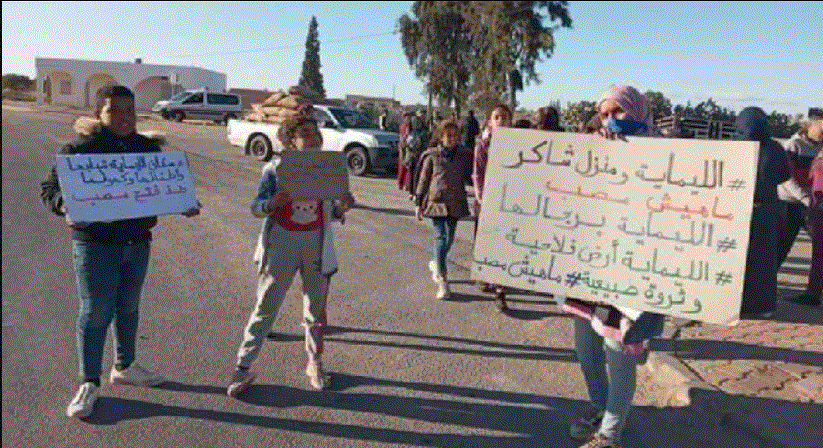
(138, 196)
(101, 187)
(597, 164)
(646, 223)
(126, 170)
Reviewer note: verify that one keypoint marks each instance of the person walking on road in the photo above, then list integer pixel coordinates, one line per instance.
(110, 258)
(499, 116)
(441, 196)
(471, 129)
(296, 235)
(415, 143)
(609, 363)
(546, 119)
(403, 172)
(814, 288)
(796, 192)
(760, 282)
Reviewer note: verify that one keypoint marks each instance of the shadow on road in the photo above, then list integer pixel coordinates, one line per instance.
(513, 419)
(396, 339)
(387, 210)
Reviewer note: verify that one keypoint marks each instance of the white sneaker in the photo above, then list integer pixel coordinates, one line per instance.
(433, 269)
(239, 382)
(443, 292)
(318, 378)
(83, 403)
(136, 376)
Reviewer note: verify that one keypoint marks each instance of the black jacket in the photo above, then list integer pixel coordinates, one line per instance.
(127, 231)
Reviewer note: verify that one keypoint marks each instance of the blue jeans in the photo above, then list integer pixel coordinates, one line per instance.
(109, 279)
(612, 391)
(443, 238)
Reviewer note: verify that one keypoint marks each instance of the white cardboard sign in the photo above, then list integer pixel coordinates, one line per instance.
(114, 186)
(653, 224)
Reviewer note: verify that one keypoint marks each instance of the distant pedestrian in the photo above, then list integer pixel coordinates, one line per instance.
(499, 116)
(470, 130)
(523, 123)
(441, 196)
(547, 119)
(814, 288)
(403, 172)
(796, 192)
(383, 119)
(296, 236)
(415, 143)
(110, 258)
(760, 283)
(609, 359)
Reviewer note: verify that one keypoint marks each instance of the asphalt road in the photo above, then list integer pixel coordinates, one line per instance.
(407, 370)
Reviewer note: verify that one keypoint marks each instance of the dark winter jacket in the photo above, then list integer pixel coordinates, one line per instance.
(101, 141)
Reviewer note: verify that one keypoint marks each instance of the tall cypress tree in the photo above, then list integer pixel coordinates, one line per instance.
(310, 76)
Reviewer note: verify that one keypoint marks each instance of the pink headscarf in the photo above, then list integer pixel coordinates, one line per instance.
(633, 102)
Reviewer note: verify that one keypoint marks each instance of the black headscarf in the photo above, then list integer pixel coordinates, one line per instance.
(772, 167)
(753, 124)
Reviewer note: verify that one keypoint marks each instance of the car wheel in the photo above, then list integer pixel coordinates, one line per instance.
(227, 118)
(260, 148)
(179, 116)
(357, 161)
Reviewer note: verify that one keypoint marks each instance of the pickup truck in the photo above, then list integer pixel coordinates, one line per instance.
(367, 148)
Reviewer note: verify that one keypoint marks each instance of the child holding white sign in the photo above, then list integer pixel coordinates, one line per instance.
(296, 235)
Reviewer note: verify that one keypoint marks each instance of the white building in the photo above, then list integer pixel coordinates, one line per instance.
(74, 82)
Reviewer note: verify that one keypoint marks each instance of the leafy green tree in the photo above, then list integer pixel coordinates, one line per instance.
(479, 49)
(577, 114)
(17, 82)
(783, 125)
(660, 105)
(310, 76)
(436, 44)
(508, 39)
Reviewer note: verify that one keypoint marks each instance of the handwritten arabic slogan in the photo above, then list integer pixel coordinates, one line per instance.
(654, 224)
(307, 175)
(105, 187)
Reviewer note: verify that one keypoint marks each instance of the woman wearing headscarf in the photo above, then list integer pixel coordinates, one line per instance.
(546, 119)
(609, 359)
(760, 284)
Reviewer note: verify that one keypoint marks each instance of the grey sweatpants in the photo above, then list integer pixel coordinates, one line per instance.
(289, 252)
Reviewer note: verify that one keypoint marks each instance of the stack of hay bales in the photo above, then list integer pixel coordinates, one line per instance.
(282, 105)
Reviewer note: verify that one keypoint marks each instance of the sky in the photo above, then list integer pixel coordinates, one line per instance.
(765, 54)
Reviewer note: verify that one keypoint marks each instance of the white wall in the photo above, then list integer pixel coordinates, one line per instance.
(80, 72)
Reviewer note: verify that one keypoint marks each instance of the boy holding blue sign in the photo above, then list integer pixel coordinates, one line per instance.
(110, 258)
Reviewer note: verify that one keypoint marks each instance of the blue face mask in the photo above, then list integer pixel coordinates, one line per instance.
(626, 127)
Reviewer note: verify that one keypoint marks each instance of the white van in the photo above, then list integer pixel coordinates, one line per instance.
(200, 105)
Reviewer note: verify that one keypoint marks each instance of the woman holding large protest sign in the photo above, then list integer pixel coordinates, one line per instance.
(622, 110)
(760, 285)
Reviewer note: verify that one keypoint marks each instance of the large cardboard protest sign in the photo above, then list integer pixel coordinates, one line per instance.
(106, 187)
(654, 224)
(307, 175)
